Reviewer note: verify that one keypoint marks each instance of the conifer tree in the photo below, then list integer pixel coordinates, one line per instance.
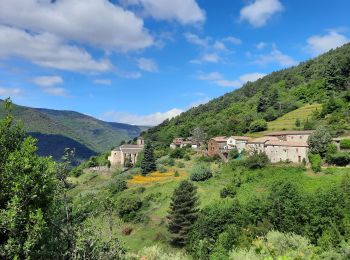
(148, 163)
(183, 212)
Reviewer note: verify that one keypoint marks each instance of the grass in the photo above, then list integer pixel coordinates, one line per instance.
(287, 121)
(160, 187)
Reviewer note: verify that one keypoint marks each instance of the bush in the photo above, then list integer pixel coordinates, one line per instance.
(233, 154)
(230, 191)
(187, 157)
(345, 144)
(166, 160)
(180, 165)
(127, 207)
(339, 159)
(118, 185)
(200, 172)
(177, 153)
(316, 162)
(256, 160)
(176, 174)
(258, 125)
(76, 172)
(127, 231)
(161, 168)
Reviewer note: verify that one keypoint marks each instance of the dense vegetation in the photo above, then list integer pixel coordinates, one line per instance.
(57, 130)
(324, 80)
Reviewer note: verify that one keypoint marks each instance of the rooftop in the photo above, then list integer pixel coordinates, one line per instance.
(308, 132)
(245, 138)
(285, 143)
(262, 140)
(220, 139)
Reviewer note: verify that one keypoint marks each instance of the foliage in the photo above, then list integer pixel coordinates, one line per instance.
(319, 141)
(339, 159)
(118, 185)
(233, 154)
(315, 161)
(148, 163)
(157, 253)
(199, 136)
(183, 212)
(180, 165)
(256, 160)
(258, 125)
(200, 172)
(127, 206)
(161, 168)
(166, 160)
(177, 153)
(345, 143)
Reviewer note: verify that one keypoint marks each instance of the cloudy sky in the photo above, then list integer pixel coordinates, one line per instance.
(141, 61)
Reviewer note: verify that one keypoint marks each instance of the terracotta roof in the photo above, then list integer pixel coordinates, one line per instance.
(220, 139)
(309, 132)
(245, 138)
(285, 143)
(262, 140)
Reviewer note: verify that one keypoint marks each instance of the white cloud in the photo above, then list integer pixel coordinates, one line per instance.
(184, 11)
(48, 85)
(147, 65)
(220, 46)
(319, 44)
(196, 40)
(261, 45)
(10, 92)
(251, 77)
(103, 81)
(48, 51)
(147, 120)
(233, 40)
(260, 11)
(48, 81)
(275, 56)
(207, 58)
(95, 22)
(218, 79)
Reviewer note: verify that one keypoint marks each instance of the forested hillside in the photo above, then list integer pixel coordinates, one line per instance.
(57, 130)
(324, 80)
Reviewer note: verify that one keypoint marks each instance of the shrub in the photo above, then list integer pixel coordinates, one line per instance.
(161, 168)
(228, 192)
(127, 231)
(118, 185)
(76, 172)
(345, 144)
(233, 154)
(258, 125)
(187, 157)
(200, 172)
(180, 165)
(177, 153)
(166, 160)
(316, 162)
(339, 159)
(176, 174)
(256, 160)
(127, 206)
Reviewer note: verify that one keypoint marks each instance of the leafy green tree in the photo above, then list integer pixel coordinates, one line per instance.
(319, 141)
(316, 162)
(199, 136)
(200, 172)
(183, 212)
(297, 122)
(286, 208)
(28, 199)
(128, 206)
(258, 125)
(148, 163)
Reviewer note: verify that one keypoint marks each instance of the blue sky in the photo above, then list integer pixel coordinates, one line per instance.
(141, 61)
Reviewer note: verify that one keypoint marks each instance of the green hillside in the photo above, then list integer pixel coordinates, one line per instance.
(57, 130)
(324, 80)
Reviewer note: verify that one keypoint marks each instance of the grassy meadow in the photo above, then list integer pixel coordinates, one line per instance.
(158, 187)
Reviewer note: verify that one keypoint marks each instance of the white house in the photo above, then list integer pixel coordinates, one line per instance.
(238, 142)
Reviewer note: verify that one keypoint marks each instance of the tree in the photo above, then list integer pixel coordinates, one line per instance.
(258, 125)
(319, 141)
(297, 122)
(28, 203)
(148, 163)
(198, 135)
(183, 212)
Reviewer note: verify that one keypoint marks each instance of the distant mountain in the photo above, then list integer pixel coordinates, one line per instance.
(323, 81)
(57, 130)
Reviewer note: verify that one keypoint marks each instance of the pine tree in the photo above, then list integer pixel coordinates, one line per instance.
(183, 212)
(148, 163)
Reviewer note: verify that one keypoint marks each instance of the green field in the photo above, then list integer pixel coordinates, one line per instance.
(256, 182)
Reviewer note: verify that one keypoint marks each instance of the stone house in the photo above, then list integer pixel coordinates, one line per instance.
(182, 143)
(238, 142)
(217, 146)
(282, 146)
(126, 153)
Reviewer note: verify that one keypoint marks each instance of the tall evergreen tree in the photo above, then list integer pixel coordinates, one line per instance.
(148, 163)
(183, 212)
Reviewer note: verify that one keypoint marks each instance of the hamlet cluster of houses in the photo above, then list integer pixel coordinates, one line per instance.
(279, 146)
(289, 146)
